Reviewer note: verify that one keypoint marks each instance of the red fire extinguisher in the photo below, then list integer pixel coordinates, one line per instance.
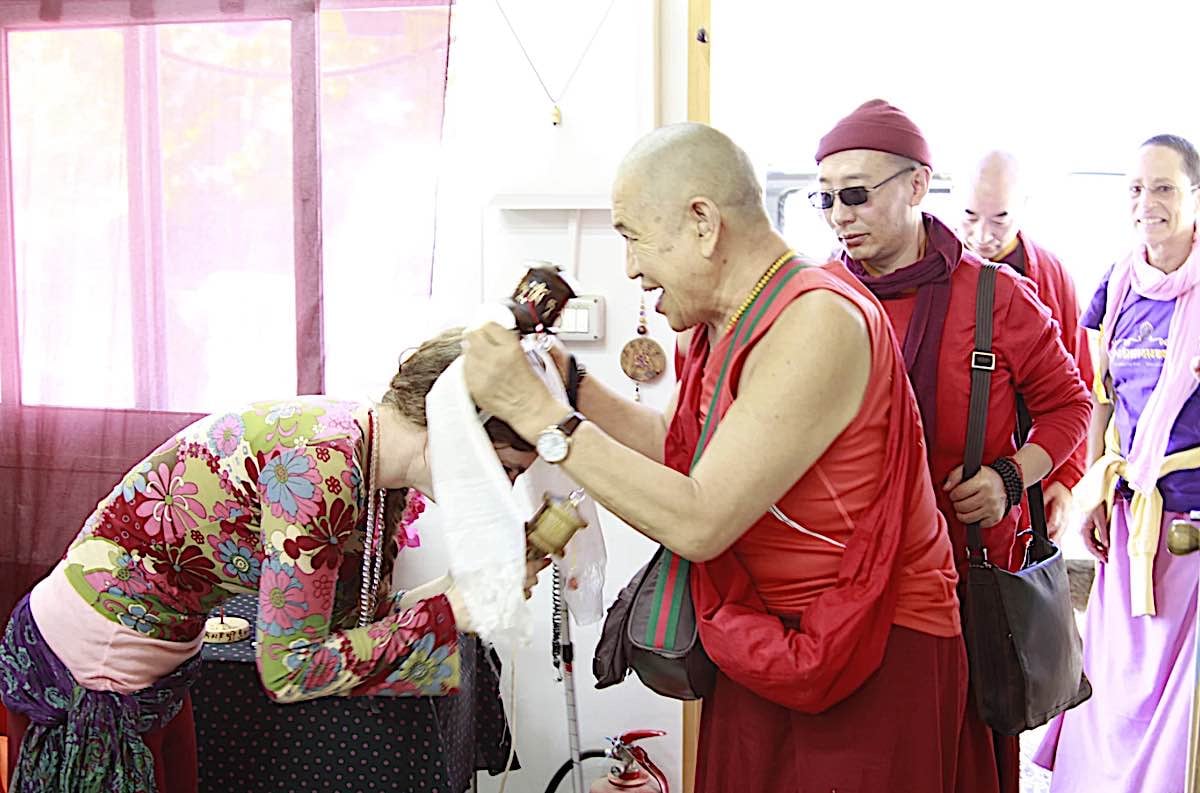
(632, 770)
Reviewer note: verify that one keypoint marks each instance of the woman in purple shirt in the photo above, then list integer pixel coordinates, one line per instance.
(1140, 642)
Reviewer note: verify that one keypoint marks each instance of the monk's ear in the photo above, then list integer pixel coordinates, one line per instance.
(919, 185)
(704, 217)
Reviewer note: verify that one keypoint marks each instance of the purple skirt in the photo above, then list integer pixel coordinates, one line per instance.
(1132, 735)
(79, 739)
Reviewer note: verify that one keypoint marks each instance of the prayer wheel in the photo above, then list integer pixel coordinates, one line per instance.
(552, 527)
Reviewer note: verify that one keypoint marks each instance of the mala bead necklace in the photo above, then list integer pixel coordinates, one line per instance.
(757, 290)
(368, 592)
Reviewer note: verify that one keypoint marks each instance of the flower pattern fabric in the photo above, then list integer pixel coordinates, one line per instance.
(271, 501)
(168, 504)
(226, 435)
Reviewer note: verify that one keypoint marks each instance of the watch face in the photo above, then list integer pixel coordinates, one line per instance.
(552, 445)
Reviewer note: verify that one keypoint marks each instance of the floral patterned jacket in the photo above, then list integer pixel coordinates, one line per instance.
(269, 500)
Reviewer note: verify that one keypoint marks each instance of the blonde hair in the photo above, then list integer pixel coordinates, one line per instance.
(417, 373)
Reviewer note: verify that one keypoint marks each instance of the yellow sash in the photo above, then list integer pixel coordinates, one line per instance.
(1099, 485)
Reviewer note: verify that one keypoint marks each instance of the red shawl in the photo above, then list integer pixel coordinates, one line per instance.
(841, 637)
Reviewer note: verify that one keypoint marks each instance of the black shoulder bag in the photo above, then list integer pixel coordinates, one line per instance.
(1023, 646)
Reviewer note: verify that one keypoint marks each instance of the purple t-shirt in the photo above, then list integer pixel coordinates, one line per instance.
(1135, 360)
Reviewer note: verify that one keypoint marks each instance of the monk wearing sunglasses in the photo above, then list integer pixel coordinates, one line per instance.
(873, 171)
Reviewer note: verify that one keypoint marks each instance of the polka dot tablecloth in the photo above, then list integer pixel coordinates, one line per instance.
(344, 744)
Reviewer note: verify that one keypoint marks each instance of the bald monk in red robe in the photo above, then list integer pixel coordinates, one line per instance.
(873, 172)
(788, 470)
(993, 198)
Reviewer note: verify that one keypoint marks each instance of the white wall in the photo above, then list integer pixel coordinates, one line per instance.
(499, 141)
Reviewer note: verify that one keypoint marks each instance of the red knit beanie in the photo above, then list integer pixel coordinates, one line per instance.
(878, 126)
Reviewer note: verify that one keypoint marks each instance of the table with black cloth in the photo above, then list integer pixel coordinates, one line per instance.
(246, 742)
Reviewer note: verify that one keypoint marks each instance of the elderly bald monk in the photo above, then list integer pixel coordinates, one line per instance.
(993, 196)
(874, 171)
(834, 621)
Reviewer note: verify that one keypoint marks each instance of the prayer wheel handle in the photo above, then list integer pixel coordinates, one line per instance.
(1184, 535)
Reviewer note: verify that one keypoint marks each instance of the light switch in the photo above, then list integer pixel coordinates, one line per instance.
(582, 319)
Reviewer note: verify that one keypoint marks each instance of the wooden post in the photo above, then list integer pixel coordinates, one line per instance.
(657, 64)
(699, 38)
(691, 739)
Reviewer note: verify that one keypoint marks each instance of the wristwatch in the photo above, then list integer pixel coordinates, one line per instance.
(554, 442)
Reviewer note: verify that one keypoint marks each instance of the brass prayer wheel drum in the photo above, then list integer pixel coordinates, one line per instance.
(552, 527)
(1184, 536)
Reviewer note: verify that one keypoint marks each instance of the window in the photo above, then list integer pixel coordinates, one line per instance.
(181, 187)
(1063, 89)
(152, 213)
(182, 184)
(383, 76)
(1083, 217)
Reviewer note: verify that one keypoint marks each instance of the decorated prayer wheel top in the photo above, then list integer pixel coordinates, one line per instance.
(539, 298)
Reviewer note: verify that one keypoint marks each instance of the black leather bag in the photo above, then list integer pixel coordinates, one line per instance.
(1023, 647)
(651, 629)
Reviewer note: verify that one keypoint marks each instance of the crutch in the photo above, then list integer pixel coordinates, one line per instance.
(564, 661)
(548, 533)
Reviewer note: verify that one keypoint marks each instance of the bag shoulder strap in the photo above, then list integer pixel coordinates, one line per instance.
(671, 585)
(742, 332)
(1037, 504)
(983, 363)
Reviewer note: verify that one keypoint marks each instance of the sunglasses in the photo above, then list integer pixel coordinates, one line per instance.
(850, 196)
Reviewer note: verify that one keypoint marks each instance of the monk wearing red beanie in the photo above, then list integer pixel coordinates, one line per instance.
(874, 169)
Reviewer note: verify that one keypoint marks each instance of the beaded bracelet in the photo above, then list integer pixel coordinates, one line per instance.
(1013, 479)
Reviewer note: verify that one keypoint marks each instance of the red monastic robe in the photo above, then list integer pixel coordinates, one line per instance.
(1030, 360)
(839, 669)
(1057, 291)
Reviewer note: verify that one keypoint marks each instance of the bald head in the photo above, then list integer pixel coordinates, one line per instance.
(690, 209)
(992, 198)
(680, 162)
(995, 170)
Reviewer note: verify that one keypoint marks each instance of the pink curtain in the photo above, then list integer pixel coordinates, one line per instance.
(186, 190)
